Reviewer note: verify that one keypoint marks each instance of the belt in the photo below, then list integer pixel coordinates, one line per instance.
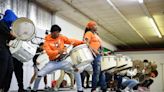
(56, 60)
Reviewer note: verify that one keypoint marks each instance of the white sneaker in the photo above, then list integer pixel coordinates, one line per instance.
(126, 89)
(131, 90)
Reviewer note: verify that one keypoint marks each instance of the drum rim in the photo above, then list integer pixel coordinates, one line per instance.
(78, 47)
(17, 22)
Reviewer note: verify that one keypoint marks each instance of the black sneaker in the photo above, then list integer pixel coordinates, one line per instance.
(21, 90)
(88, 86)
(28, 88)
(33, 91)
(80, 91)
(104, 90)
(47, 87)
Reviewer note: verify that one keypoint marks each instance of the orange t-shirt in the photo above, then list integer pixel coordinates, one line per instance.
(53, 46)
(93, 40)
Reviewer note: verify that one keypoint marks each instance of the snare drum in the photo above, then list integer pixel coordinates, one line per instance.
(81, 55)
(42, 60)
(108, 62)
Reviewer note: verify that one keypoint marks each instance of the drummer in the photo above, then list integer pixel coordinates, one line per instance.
(6, 62)
(54, 47)
(40, 51)
(91, 37)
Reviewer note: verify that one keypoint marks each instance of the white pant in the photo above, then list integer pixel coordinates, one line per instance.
(62, 65)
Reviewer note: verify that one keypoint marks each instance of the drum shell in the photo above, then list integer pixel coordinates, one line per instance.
(81, 55)
(89, 69)
(108, 62)
(128, 62)
(121, 61)
(42, 60)
(22, 50)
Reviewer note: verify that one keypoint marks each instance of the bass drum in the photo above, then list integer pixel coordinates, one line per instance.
(42, 60)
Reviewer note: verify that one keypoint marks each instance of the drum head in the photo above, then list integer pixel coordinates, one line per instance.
(42, 60)
(23, 29)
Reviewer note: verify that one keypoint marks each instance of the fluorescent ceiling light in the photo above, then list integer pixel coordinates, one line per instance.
(155, 27)
(150, 18)
(140, 1)
(110, 3)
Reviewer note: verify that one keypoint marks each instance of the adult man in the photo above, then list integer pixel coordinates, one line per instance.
(6, 62)
(35, 62)
(54, 47)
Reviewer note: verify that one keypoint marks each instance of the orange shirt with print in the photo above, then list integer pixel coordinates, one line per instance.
(53, 46)
(94, 41)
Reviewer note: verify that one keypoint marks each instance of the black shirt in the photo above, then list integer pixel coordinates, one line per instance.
(39, 50)
(5, 36)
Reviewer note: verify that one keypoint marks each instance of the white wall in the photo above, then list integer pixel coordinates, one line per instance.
(158, 57)
(73, 31)
(69, 29)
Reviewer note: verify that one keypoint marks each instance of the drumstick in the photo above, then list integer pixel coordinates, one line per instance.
(66, 48)
(38, 53)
